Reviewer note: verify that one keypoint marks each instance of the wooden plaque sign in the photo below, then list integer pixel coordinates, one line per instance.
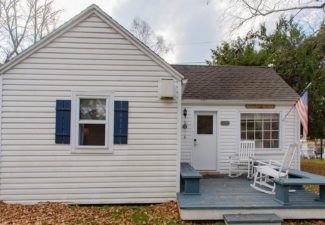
(260, 106)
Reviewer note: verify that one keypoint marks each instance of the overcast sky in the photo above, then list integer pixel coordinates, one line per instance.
(192, 27)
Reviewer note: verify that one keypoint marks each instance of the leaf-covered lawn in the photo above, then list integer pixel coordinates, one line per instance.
(315, 166)
(56, 213)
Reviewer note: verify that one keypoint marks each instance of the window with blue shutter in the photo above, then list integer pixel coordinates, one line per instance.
(121, 117)
(63, 119)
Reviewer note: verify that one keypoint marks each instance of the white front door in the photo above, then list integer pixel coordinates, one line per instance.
(204, 156)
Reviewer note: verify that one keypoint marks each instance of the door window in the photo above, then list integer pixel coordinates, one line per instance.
(205, 124)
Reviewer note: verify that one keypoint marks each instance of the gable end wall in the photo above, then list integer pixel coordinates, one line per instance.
(89, 56)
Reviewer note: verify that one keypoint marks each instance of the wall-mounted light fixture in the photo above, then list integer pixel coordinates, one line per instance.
(185, 112)
(184, 125)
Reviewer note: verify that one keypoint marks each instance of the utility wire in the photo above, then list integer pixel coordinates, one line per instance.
(201, 62)
(197, 43)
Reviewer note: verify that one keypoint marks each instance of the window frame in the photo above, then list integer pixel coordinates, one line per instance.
(109, 122)
(263, 150)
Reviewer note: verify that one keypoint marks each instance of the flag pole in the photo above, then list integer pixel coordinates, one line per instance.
(306, 88)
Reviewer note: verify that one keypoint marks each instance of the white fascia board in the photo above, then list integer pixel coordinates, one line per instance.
(235, 102)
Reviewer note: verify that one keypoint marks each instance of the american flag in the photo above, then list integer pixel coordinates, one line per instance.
(302, 109)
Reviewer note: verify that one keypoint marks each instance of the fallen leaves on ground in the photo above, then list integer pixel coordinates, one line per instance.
(61, 214)
(58, 213)
(315, 166)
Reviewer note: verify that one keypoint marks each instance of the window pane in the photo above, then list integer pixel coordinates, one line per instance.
(250, 135)
(258, 144)
(275, 125)
(258, 116)
(266, 144)
(258, 134)
(267, 134)
(275, 135)
(92, 109)
(258, 125)
(250, 125)
(267, 125)
(204, 124)
(275, 116)
(274, 143)
(92, 134)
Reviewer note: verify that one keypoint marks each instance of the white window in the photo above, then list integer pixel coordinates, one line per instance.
(264, 128)
(92, 121)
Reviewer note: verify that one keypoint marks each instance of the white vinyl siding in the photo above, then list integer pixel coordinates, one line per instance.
(228, 136)
(90, 56)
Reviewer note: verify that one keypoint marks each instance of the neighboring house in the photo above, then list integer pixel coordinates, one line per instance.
(90, 115)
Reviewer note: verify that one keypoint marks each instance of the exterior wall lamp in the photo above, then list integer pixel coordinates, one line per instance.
(184, 125)
(185, 112)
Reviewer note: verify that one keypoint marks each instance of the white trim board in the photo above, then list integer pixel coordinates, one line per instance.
(217, 214)
(210, 102)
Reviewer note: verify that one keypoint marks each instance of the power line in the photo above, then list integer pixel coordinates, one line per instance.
(198, 62)
(197, 43)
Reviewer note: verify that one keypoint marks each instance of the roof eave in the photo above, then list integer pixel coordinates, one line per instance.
(285, 102)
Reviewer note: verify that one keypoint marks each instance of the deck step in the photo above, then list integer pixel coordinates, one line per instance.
(256, 219)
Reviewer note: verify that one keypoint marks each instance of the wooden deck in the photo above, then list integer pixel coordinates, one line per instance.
(223, 195)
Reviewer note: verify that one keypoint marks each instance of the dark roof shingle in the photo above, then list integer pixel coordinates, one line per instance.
(234, 83)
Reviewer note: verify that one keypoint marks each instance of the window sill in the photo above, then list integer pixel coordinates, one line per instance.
(268, 152)
(91, 151)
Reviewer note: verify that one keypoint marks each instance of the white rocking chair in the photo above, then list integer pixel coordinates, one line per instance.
(240, 162)
(265, 172)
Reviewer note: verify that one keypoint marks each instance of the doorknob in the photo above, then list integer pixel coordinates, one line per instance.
(195, 141)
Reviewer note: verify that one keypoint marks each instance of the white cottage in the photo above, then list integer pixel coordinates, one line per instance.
(90, 115)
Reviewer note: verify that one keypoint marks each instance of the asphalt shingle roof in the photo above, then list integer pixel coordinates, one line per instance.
(234, 83)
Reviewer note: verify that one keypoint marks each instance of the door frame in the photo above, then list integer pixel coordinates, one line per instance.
(194, 133)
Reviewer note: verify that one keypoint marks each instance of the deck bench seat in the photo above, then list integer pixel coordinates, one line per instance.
(298, 179)
(190, 179)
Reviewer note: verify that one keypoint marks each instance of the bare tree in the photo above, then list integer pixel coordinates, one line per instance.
(24, 22)
(244, 11)
(143, 31)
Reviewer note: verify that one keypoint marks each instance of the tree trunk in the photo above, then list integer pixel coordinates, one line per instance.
(321, 148)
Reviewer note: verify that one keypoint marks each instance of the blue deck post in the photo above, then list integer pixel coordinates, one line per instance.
(322, 193)
(192, 186)
(190, 179)
(282, 193)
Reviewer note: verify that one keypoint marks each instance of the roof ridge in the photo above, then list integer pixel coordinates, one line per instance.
(193, 65)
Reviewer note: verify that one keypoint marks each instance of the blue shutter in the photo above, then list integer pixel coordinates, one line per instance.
(121, 117)
(63, 118)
